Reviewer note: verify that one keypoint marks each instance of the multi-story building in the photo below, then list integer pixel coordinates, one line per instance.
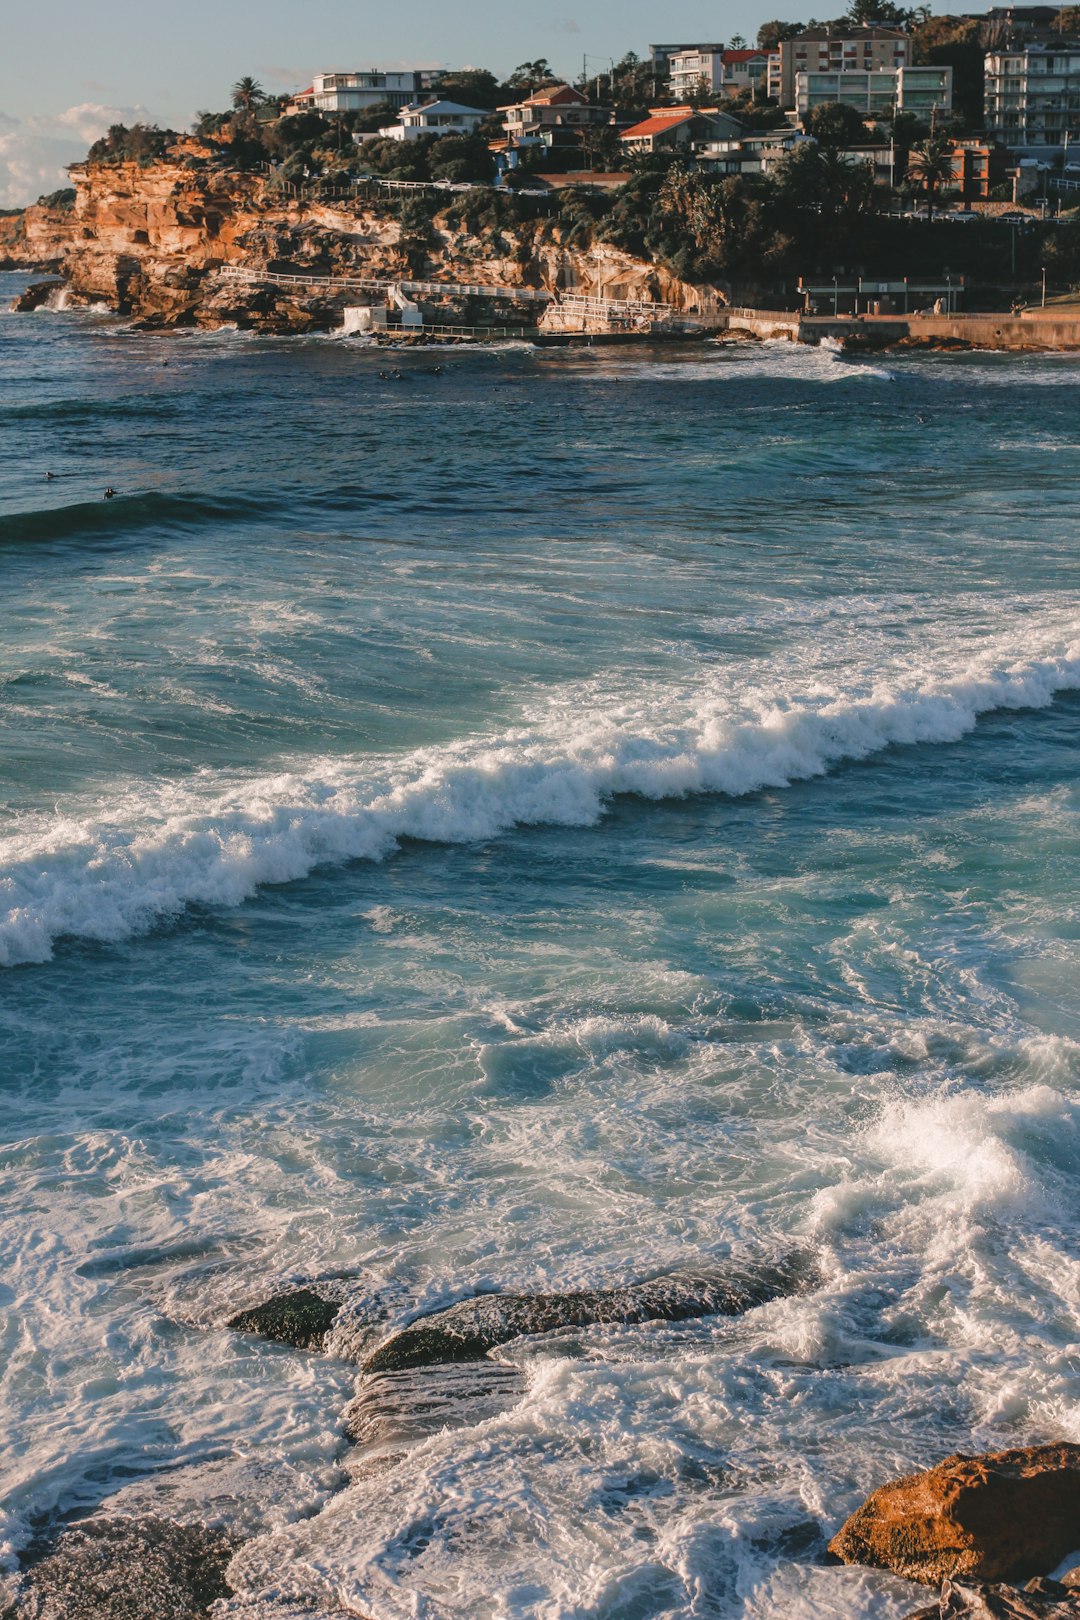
(878, 92)
(358, 92)
(696, 71)
(1032, 97)
(743, 70)
(977, 166)
(552, 113)
(830, 48)
(660, 55)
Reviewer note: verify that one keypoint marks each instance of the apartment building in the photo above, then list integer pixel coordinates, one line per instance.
(827, 49)
(878, 92)
(1032, 97)
(698, 70)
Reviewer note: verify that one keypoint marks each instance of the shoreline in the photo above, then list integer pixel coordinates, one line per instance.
(1030, 332)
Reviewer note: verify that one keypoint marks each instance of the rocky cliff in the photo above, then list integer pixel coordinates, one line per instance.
(151, 241)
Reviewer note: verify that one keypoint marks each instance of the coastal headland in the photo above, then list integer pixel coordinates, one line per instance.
(183, 241)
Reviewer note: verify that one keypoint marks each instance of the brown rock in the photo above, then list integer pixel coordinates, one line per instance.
(1001, 1516)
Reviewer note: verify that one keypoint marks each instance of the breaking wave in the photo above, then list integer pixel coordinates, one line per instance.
(107, 876)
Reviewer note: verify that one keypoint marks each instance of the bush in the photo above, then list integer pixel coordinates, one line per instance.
(64, 199)
(142, 143)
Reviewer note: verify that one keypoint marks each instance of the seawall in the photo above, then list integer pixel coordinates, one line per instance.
(1035, 329)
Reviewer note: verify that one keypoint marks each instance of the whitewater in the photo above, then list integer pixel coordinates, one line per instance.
(542, 826)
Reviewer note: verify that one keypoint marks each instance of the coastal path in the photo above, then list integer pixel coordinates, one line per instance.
(453, 289)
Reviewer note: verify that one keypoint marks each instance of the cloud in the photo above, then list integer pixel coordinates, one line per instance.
(565, 25)
(35, 151)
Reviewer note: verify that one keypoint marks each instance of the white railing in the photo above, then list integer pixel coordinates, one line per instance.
(437, 289)
(586, 304)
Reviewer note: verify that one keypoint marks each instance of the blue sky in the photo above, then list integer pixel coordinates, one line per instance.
(70, 67)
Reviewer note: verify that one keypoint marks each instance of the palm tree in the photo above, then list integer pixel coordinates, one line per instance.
(930, 165)
(247, 94)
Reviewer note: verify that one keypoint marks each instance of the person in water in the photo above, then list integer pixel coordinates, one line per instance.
(109, 493)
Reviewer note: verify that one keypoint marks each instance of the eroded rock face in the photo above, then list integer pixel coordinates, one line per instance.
(301, 1318)
(150, 240)
(1001, 1516)
(468, 1330)
(128, 1569)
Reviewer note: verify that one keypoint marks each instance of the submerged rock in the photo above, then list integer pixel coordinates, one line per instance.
(128, 1569)
(468, 1330)
(301, 1318)
(1040, 1599)
(394, 1410)
(1001, 1516)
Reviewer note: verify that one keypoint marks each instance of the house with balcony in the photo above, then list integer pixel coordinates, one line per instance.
(752, 152)
(433, 118)
(358, 92)
(832, 49)
(670, 129)
(558, 108)
(1032, 98)
(697, 71)
(743, 70)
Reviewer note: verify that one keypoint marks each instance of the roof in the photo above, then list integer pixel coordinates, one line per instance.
(745, 56)
(553, 95)
(659, 123)
(443, 107)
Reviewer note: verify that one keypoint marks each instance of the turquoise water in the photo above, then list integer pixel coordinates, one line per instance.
(534, 826)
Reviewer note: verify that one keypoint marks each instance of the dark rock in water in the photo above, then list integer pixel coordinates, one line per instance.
(1000, 1516)
(128, 1569)
(1040, 1599)
(395, 1409)
(468, 1330)
(32, 297)
(301, 1319)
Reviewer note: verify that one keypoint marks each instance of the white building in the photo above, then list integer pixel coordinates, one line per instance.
(877, 92)
(1032, 97)
(358, 92)
(698, 70)
(433, 118)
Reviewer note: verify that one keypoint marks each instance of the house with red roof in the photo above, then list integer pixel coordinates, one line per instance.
(554, 108)
(667, 129)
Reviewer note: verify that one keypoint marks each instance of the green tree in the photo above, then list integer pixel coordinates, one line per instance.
(772, 34)
(530, 76)
(834, 123)
(930, 166)
(247, 95)
(824, 178)
(473, 87)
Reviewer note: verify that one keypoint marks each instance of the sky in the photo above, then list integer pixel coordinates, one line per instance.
(70, 68)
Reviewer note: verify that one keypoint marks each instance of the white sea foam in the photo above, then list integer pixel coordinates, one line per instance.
(105, 876)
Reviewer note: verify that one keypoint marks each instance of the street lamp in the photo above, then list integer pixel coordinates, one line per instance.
(835, 298)
(1044, 286)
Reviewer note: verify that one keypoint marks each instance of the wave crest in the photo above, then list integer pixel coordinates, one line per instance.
(108, 877)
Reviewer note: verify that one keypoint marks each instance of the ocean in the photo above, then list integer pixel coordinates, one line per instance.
(534, 825)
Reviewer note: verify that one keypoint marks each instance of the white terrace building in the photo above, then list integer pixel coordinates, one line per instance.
(434, 118)
(359, 92)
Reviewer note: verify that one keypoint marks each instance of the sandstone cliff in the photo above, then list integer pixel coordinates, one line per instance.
(150, 240)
